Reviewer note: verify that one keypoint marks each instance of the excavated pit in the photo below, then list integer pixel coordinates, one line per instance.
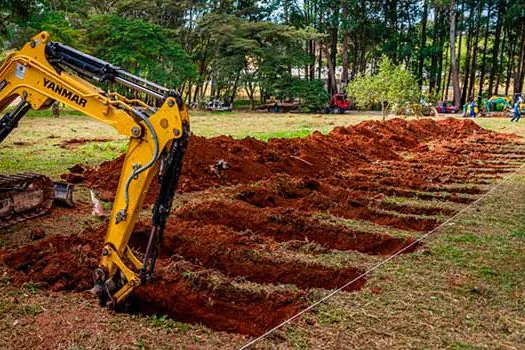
(183, 291)
(245, 256)
(286, 224)
(312, 196)
(195, 298)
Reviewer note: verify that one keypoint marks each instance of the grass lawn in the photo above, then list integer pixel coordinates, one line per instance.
(465, 289)
(35, 145)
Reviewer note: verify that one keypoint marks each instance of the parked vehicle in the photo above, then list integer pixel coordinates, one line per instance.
(215, 105)
(275, 106)
(446, 107)
(339, 103)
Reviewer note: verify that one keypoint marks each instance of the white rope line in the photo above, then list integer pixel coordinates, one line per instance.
(379, 264)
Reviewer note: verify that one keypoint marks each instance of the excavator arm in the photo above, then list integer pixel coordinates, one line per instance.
(156, 121)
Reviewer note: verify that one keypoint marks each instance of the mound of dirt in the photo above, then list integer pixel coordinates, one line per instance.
(249, 160)
(286, 224)
(58, 262)
(184, 291)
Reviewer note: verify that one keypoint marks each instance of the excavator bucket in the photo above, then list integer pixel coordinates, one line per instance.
(64, 194)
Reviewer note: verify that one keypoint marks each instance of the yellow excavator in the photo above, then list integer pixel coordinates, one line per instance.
(155, 120)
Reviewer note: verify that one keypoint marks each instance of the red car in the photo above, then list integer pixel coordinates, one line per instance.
(446, 107)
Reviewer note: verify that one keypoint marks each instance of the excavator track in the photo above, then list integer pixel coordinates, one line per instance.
(23, 197)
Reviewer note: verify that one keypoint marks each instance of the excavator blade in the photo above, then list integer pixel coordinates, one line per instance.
(23, 197)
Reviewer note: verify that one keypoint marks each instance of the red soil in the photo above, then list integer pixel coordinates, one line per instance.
(221, 307)
(286, 224)
(239, 255)
(312, 195)
(318, 155)
(57, 262)
(66, 263)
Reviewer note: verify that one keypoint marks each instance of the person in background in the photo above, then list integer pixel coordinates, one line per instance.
(472, 108)
(517, 113)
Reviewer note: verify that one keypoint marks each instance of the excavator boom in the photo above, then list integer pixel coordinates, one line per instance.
(155, 120)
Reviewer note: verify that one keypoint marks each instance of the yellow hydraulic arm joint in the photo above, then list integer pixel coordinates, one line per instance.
(43, 72)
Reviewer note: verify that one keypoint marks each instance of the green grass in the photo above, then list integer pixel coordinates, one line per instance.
(35, 145)
(502, 125)
(282, 134)
(45, 158)
(167, 324)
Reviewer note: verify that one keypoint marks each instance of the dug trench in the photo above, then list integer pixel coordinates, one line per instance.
(226, 260)
(184, 291)
(195, 255)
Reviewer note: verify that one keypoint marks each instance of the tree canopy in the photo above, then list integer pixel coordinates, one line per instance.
(224, 48)
(391, 87)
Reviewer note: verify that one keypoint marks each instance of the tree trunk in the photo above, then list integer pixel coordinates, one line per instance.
(434, 58)
(453, 63)
(475, 53)
(500, 65)
(495, 50)
(249, 87)
(262, 98)
(312, 55)
(235, 87)
(510, 66)
(520, 67)
(188, 94)
(483, 60)
(441, 41)
(205, 88)
(320, 62)
(332, 86)
(346, 38)
(333, 46)
(446, 87)
(422, 44)
(467, 62)
(306, 66)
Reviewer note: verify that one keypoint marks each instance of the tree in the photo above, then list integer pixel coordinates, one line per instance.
(391, 87)
(255, 45)
(142, 48)
(453, 62)
(252, 54)
(311, 93)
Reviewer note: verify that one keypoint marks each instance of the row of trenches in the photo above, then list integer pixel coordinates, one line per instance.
(246, 247)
